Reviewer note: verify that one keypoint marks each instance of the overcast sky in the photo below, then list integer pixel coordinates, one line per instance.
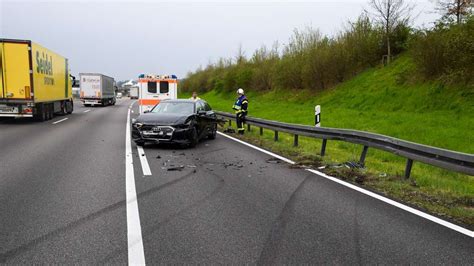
(125, 38)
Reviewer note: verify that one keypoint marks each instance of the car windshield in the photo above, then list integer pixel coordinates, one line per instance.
(174, 108)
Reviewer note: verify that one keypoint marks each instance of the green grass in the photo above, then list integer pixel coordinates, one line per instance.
(385, 101)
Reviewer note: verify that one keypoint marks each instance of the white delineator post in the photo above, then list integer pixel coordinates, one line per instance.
(317, 116)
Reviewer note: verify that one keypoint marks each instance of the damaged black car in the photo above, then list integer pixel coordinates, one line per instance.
(175, 121)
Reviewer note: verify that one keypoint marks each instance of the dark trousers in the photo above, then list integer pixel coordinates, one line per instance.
(240, 117)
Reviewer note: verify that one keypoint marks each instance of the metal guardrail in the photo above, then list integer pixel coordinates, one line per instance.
(446, 159)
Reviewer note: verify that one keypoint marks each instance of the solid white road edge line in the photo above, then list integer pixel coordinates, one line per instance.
(136, 255)
(143, 161)
(432, 218)
(59, 121)
(88, 110)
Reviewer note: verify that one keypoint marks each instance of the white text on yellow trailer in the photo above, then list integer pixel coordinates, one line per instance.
(155, 88)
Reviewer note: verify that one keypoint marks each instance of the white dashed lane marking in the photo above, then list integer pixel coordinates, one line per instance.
(59, 121)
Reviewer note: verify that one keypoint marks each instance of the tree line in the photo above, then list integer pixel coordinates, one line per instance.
(316, 62)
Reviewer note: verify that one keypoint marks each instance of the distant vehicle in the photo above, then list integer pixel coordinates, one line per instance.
(155, 88)
(97, 89)
(76, 88)
(119, 95)
(134, 92)
(175, 121)
(34, 81)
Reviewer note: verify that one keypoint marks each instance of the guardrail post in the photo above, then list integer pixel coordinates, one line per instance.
(362, 156)
(276, 136)
(261, 131)
(295, 142)
(323, 147)
(248, 127)
(408, 168)
(230, 122)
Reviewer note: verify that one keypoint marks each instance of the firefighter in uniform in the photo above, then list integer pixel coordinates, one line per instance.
(240, 108)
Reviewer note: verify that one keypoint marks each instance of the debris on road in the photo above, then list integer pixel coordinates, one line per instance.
(236, 166)
(274, 160)
(229, 130)
(158, 157)
(350, 165)
(175, 168)
(335, 166)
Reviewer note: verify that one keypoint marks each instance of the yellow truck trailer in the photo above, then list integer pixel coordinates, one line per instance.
(34, 81)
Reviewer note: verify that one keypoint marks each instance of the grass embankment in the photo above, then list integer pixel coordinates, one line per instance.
(380, 100)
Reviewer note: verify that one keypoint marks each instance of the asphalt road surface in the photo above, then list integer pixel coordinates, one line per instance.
(63, 200)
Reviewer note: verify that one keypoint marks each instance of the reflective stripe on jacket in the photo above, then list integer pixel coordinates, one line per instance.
(241, 104)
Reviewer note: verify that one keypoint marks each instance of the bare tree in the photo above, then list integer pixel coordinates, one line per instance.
(390, 13)
(240, 56)
(458, 8)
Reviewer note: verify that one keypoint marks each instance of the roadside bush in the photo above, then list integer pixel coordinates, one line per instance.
(309, 61)
(446, 52)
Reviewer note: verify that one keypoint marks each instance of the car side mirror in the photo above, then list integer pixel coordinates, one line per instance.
(201, 112)
(209, 113)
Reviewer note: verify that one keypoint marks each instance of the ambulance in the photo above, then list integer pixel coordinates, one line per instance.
(155, 88)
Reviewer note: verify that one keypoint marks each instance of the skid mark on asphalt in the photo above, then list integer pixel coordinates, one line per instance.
(150, 230)
(271, 246)
(394, 203)
(75, 224)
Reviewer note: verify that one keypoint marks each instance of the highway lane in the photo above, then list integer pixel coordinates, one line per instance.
(233, 204)
(63, 193)
(62, 187)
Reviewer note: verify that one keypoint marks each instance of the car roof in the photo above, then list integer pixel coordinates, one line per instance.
(182, 100)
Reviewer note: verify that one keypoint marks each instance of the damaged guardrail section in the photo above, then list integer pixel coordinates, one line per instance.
(446, 159)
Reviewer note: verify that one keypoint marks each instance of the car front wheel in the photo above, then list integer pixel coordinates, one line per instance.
(193, 138)
(213, 133)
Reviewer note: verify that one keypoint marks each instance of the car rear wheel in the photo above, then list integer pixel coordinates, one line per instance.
(140, 143)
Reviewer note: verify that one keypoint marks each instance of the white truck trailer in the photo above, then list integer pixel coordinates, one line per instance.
(134, 91)
(97, 89)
